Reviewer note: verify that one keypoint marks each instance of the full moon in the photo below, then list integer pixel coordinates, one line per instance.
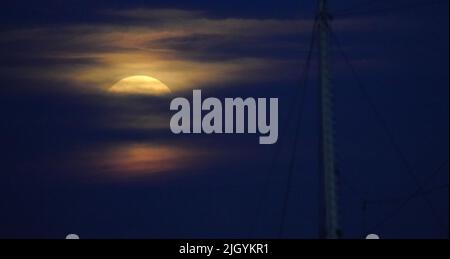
(140, 85)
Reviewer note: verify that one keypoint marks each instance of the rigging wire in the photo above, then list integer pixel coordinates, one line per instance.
(420, 192)
(296, 97)
(401, 156)
(297, 129)
(417, 193)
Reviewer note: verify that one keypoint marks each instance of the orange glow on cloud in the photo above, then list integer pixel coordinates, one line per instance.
(130, 161)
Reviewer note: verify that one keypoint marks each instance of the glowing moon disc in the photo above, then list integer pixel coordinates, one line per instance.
(140, 85)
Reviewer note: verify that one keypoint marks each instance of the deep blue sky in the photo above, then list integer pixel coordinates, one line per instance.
(401, 56)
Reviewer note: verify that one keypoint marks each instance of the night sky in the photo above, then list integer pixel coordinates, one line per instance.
(77, 158)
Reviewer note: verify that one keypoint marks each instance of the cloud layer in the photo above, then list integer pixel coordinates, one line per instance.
(181, 48)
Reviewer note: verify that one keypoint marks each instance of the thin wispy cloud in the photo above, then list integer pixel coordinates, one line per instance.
(184, 49)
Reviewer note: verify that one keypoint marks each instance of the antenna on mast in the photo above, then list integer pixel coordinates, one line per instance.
(330, 228)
